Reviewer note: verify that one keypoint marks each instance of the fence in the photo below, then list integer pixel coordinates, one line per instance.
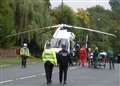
(8, 52)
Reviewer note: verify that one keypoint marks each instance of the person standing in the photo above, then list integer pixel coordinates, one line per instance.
(118, 57)
(77, 48)
(110, 59)
(24, 53)
(95, 57)
(63, 61)
(82, 56)
(49, 59)
(90, 57)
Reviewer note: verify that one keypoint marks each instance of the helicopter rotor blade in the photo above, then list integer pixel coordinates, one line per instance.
(33, 30)
(91, 30)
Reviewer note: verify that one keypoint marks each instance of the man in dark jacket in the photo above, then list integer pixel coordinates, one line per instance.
(111, 59)
(63, 61)
(118, 57)
(95, 56)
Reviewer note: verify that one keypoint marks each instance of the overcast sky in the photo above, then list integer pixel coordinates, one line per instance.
(75, 4)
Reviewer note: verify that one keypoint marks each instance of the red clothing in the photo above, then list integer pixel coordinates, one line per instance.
(17, 51)
(82, 56)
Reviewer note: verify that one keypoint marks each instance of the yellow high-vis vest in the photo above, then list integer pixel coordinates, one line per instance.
(49, 55)
(24, 51)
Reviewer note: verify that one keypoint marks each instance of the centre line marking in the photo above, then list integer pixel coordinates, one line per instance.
(32, 76)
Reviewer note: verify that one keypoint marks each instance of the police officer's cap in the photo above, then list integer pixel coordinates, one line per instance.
(25, 44)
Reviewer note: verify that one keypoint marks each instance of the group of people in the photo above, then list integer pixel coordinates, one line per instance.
(62, 59)
(94, 56)
(101, 56)
(50, 58)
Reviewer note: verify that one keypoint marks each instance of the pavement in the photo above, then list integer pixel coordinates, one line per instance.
(34, 75)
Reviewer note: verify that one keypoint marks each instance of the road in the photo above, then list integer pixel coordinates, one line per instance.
(34, 75)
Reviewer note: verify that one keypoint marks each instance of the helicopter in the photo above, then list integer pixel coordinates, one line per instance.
(63, 36)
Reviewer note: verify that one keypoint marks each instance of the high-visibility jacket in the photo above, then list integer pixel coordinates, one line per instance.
(24, 51)
(49, 55)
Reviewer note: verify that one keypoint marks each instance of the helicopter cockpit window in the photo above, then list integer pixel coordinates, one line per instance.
(57, 43)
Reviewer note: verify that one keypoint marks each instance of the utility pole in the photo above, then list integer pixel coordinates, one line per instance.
(62, 12)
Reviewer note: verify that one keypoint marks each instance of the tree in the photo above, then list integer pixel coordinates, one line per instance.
(100, 20)
(82, 20)
(115, 5)
(66, 16)
(31, 14)
(6, 23)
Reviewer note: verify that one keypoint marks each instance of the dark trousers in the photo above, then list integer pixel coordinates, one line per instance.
(111, 63)
(95, 62)
(23, 62)
(63, 71)
(48, 70)
(118, 59)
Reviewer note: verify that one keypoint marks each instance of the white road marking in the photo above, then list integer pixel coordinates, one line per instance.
(6, 81)
(72, 68)
(28, 77)
(31, 76)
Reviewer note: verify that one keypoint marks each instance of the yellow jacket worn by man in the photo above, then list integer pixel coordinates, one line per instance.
(49, 59)
(24, 53)
(49, 55)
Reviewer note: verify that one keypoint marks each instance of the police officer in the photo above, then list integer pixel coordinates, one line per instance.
(24, 53)
(49, 59)
(63, 60)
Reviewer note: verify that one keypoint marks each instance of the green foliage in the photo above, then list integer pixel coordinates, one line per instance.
(23, 15)
(100, 20)
(6, 23)
(82, 20)
(31, 14)
(66, 16)
(115, 5)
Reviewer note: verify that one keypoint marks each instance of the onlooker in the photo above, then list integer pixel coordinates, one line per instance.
(95, 56)
(82, 56)
(118, 58)
(111, 59)
(24, 53)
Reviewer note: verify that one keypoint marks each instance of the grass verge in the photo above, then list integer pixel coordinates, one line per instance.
(16, 60)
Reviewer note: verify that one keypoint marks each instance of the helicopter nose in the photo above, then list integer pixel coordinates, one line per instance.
(57, 49)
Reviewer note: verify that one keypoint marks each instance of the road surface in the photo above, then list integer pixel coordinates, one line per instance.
(34, 75)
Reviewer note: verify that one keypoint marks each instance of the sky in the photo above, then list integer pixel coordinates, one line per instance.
(75, 4)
